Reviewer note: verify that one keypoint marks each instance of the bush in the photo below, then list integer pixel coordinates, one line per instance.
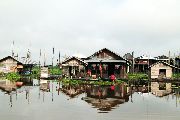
(77, 82)
(176, 76)
(13, 76)
(55, 71)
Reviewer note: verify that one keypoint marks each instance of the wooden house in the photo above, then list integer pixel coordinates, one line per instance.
(142, 64)
(74, 67)
(9, 64)
(161, 70)
(104, 63)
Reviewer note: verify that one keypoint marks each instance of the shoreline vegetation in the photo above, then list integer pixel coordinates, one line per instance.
(56, 71)
(135, 78)
(87, 82)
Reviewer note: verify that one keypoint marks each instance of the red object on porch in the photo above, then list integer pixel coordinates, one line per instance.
(89, 72)
(112, 77)
(112, 87)
(100, 67)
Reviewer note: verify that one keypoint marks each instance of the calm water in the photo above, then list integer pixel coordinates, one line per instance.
(85, 103)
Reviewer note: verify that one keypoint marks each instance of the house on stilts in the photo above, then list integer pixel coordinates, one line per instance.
(102, 64)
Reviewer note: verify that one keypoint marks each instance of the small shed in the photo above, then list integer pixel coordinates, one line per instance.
(9, 64)
(161, 70)
(74, 67)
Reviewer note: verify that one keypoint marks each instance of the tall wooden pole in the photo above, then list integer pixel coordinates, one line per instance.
(133, 62)
(169, 57)
(59, 57)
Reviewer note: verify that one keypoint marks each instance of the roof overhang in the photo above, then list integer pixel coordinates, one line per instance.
(105, 61)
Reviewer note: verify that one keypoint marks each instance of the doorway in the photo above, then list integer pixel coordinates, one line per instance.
(111, 68)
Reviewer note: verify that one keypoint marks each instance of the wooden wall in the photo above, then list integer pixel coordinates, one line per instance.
(8, 65)
(155, 70)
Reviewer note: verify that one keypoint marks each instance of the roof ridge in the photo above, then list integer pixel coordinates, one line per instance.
(110, 51)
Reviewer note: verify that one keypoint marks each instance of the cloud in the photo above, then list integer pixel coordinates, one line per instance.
(85, 26)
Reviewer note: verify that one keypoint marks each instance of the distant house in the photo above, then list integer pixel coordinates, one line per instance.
(101, 64)
(142, 63)
(177, 63)
(9, 64)
(74, 67)
(130, 58)
(161, 70)
(105, 63)
(163, 58)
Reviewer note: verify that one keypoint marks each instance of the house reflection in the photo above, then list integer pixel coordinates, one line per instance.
(25, 89)
(45, 85)
(161, 89)
(72, 90)
(106, 98)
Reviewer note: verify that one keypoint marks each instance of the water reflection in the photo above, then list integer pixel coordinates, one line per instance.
(72, 90)
(161, 89)
(102, 98)
(106, 98)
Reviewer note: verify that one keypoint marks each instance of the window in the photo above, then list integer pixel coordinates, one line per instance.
(162, 72)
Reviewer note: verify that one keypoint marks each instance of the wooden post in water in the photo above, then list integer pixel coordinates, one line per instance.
(52, 92)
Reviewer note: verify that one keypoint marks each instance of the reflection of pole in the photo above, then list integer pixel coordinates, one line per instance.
(11, 99)
(176, 100)
(28, 95)
(16, 94)
(131, 95)
(59, 88)
(52, 93)
(39, 92)
(43, 96)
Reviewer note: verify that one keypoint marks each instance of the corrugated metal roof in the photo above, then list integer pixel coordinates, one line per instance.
(109, 51)
(103, 60)
(10, 57)
(163, 63)
(74, 58)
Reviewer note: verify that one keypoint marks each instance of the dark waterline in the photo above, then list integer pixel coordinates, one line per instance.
(30, 103)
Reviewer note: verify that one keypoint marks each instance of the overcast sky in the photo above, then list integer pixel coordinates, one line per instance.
(149, 27)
